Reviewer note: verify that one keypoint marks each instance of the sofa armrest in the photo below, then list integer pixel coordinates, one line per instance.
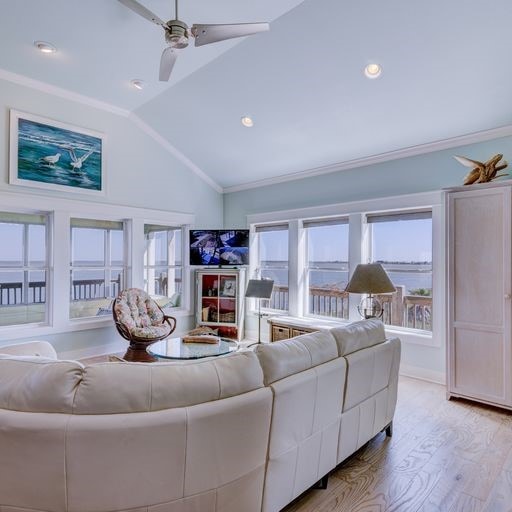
(30, 348)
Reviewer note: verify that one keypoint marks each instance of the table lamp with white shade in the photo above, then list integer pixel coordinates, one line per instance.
(370, 278)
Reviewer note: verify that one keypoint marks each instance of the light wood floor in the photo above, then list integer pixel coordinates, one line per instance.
(444, 456)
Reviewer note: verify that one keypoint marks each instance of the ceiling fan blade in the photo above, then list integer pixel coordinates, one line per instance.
(169, 56)
(142, 11)
(206, 34)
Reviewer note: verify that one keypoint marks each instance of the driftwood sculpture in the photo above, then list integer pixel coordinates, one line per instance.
(482, 172)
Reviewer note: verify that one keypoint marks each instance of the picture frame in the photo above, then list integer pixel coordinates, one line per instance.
(52, 155)
(228, 287)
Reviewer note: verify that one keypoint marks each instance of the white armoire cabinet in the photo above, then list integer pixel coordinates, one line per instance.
(479, 288)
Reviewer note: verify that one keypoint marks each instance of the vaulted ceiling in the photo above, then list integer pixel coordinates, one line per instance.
(446, 72)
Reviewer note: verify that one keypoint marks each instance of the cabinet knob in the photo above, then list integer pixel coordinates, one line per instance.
(508, 296)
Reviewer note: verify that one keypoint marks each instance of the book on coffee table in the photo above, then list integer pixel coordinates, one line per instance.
(200, 338)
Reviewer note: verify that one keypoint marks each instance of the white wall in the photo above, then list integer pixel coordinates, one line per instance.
(140, 173)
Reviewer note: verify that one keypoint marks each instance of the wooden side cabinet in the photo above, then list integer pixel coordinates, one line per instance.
(479, 288)
(285, 327)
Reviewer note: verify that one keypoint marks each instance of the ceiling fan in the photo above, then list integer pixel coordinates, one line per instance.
(177, 34)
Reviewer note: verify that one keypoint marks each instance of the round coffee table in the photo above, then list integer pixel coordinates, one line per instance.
(174, 348)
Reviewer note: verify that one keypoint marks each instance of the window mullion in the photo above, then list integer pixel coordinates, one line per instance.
(25, 265)
(357, 253)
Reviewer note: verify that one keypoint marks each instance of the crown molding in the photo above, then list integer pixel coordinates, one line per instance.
(146, 128)
(420, 149)
(61, 92)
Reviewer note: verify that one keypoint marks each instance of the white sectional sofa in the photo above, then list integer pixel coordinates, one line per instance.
(247, 432)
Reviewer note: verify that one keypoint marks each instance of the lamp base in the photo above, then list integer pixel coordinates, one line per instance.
(370, 307)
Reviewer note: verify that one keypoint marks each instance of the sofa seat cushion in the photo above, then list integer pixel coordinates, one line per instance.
(284, 358)
(359, 335)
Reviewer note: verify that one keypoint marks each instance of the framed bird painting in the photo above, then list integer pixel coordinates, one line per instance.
(53, 155)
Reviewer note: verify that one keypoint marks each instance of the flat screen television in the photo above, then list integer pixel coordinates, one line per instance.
(219, 247)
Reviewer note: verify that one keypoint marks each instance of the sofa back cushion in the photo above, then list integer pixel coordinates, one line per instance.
(359, 335)
(38, 384)
(284, 358)
(113, 388)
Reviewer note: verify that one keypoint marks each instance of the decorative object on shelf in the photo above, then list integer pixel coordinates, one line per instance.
(228, 287)
(57, 156)
(370, 278)
(482, 172)
(259, 289)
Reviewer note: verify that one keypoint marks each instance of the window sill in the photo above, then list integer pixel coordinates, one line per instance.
(17, 332)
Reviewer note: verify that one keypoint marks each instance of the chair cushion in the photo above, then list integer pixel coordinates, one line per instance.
(151, 332)
(134, 308)
(358, 335)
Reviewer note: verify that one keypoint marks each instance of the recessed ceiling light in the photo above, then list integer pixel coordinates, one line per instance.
(137, 83)
(372, 70)
(247, 122)
(44, 47)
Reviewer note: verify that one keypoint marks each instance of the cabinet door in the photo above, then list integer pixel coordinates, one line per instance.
(479, 234)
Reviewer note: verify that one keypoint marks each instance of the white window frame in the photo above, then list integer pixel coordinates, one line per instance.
(185, 287)
(359, 252)
(60, 211)
(369, 244)
(25, 267)
(255, 267)
(338, 220)
(107, 268)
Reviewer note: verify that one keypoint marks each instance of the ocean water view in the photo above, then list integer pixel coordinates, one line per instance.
(334, 275)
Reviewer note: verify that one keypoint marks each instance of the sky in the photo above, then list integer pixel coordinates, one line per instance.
(407, 240)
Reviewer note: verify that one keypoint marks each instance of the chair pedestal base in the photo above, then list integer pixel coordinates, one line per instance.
(137, 354)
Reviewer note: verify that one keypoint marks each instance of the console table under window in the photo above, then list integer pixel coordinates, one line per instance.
(284, 327)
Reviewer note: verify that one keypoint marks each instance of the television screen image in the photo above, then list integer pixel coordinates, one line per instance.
(219, 247)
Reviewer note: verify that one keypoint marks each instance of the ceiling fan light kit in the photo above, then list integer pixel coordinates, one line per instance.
(177, 33)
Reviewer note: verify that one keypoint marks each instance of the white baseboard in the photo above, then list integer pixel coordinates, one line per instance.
(417, 372)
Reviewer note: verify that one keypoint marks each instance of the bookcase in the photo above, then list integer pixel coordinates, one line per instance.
(220, 300)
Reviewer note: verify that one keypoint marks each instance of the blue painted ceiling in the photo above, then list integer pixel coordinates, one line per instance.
(446, 72)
